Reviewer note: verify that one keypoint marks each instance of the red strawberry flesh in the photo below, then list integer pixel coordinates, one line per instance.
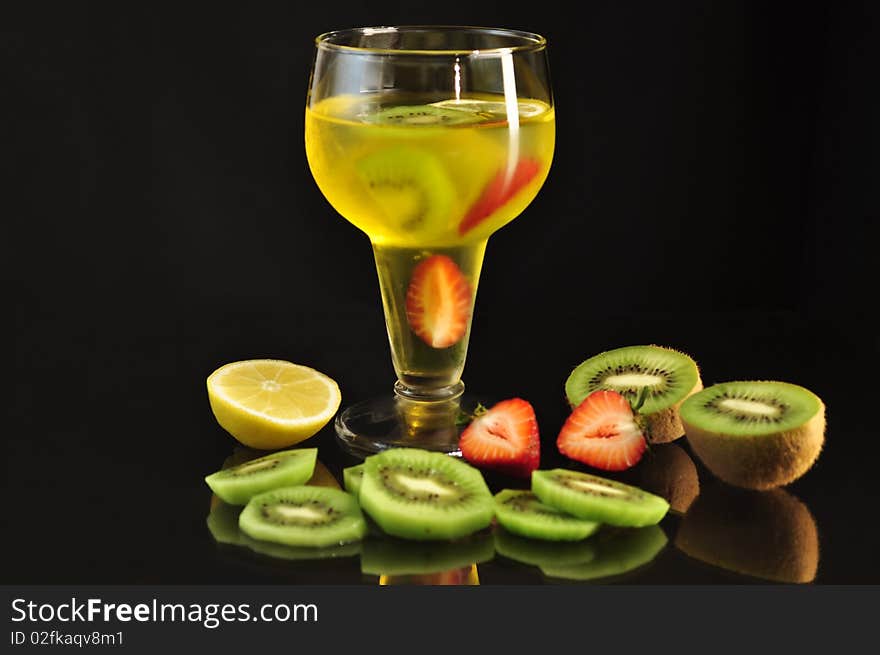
(504, 439)
(498, 193)
(438, 302)
(602, 432)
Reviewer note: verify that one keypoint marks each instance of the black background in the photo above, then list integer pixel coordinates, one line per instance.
(713, 189)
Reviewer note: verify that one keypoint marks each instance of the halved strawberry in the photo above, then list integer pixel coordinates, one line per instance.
(438, 302)
(498, 192)
(602, 432)
(504, 438)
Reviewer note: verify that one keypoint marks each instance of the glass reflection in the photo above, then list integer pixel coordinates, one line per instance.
(763, 534)
(396, 561)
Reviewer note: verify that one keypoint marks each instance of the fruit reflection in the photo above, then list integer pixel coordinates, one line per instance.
(612, 552)
(397, 561)
(668, 471)
(764, 534)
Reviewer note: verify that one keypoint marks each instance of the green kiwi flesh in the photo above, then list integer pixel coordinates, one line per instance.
(756, 435)
(416, 494)
(668, 375)
(390, 556)
(598, 499)
(763, 534)
(422, 115)
(521, 512)
(617, 552)
(535, 552)
(314, 517)
(352, 478)
(238, 484)
(411, 188)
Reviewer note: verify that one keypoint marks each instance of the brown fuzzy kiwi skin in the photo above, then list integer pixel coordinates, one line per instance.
(760, 462)
(665, 426)
(763, 534)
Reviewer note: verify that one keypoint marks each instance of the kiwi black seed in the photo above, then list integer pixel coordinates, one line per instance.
(417, 494)
(410, 186)
(668, 376)
(522, 512)
(763, 534)
(303, 516)
(238, 484)
(756, 435)
(598, 499)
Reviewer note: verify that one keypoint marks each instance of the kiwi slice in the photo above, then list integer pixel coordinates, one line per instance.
(238, 484)
(417, 494)
(303, 516)
(522, 513)
(757, 435)
(352, 477)
(763, 534)
(411, 188)
(540, 553)
(390, 556)
(616, 552)
(422, 115)
(598, 499)
(667, 375)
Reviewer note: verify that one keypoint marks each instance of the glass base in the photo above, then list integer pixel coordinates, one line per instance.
(395, 422)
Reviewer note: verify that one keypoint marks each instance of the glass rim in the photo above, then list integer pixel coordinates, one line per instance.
(531, 42)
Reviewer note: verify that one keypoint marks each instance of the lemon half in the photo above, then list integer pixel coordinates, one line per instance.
(270, 403)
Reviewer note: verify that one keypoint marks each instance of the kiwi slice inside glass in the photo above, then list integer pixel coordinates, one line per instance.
(617, 552)
(238, 484)
(417, 494)
(411, 188)
(598, 499)
(757, 435)
(314, 517)
(535, 552)
(391, 556)
(521, 512)
(665, 375)
(352, 477)
(422, 115)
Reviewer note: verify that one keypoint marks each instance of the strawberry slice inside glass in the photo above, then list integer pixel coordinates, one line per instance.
(428, 139)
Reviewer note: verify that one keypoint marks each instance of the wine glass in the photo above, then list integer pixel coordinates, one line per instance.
(428, 139)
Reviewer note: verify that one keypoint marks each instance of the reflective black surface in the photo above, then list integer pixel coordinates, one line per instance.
(115, 434)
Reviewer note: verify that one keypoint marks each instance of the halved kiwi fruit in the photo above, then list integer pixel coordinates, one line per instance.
(598, 499)
(617, 552)
(303, 516)
(416, 494)
(757, 435)
(352, 477)
(535, 552)
(390, 556)
(668, 376)
(522, 512)
(238, 484)
(422, 115)
(411, 187)
(764, 534)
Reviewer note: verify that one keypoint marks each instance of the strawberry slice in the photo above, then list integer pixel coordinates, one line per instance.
(602, 432)
(438, 302)
(498, 192)
(505, 438)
